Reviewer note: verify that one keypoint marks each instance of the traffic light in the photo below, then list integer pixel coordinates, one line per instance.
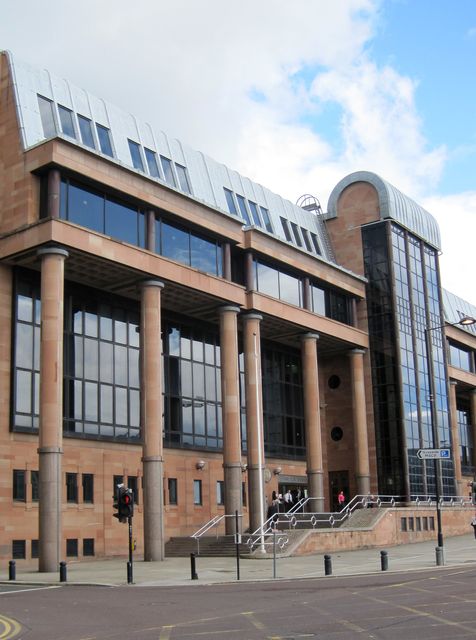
(123, 503)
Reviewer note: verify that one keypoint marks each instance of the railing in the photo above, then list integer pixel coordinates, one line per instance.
(445, 501)
(214, 523)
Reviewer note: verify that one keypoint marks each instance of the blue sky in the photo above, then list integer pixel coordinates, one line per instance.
(295, 95)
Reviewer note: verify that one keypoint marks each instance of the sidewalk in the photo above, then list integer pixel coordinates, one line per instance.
(460, 550)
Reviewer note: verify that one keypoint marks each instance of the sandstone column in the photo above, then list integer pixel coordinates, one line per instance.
(230, 413)
(151, 414)
(51, 407)
(312, 421)
(362, 467)
(254, 419)
(455, 441)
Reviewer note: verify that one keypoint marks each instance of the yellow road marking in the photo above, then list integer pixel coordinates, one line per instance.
(252, 619)
(166, 631)
(11, 628)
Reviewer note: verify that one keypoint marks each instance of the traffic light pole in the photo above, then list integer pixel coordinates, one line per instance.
(130, 578)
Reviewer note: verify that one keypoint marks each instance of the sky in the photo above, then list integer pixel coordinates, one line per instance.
(293, 94)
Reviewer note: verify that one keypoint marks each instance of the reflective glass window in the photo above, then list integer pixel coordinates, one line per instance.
(71, 487)
(86, 131)
(86, 208)
(104, 136)
(203, 254)
(183, 178)
(35, 485)
(122, 222)
(47, 117)
(289, 289)
(318, 300)
(168, 171)
(254, 213)
(173, 493)
(268, 280)
(136, 157)
(151, 158)
(66, 121)
(307, 241)
(243, 210)
(286, 230)
(19, 485)
(315, 243)
(175, 243)
(230, 201)
(297, 237)
(197, 492)
(266, 219)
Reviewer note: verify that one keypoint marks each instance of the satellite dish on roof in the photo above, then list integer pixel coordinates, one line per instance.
(309, 203)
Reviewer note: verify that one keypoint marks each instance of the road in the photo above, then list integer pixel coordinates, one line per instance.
(437, 604)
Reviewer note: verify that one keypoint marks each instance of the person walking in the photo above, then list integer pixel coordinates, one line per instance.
(473, 524)
(341, 500)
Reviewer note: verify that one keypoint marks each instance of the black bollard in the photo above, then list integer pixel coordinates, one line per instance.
(384, 560)
(440, 557)
(328, 565)
(192, 566)
(63, 571)
(12, 571)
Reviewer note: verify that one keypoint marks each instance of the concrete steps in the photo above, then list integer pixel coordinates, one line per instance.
(210, 546)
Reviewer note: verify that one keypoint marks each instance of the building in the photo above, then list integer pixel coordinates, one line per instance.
(280, 328)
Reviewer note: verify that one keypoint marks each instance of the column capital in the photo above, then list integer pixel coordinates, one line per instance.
(252, 316)
(454, 383)
(310, 336)
(58, 251)
(152, 283)
(229, 308)
(357, 351)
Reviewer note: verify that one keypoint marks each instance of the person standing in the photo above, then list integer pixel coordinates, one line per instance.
(288, 500)
(341, 500)
(473, 524)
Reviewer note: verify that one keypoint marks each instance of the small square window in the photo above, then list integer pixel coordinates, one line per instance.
(72, 548)
(88, 487)
(72, 487)
(425, 523)
(18, 549)
(35, 551)
(418, 524)
(411, 524)
(197, 492)
(403, 524)
(173, 497)
(88, 547)
(19, 488)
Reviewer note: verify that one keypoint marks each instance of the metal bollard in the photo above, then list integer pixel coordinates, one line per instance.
(440, 556)
(12, 571)
(62, 566)
(328, 565)
(192, 566)
(384, 560)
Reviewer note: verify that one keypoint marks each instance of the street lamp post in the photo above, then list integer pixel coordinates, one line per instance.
(465, 321)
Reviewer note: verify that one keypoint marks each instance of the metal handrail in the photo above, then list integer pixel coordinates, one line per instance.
(214, 522)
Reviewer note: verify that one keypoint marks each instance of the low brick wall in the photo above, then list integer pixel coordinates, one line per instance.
(388, 530)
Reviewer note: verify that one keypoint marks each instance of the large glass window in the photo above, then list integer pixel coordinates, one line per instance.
(275, 283)
(66, 121)
(47, 116)
(460, 357)
(465, 439)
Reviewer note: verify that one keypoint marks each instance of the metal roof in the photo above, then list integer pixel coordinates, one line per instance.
(455, 308)
(393, 204)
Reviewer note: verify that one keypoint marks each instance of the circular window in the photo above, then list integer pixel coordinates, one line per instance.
(336, 434)
(333, 382)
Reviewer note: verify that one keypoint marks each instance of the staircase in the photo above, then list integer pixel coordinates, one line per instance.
(362, 519)
(210, 546)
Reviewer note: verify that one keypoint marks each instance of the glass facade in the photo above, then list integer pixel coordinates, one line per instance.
(460, 357)
(403, 300)
(465, 438)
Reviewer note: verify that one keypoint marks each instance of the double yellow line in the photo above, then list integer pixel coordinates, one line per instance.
(9, 628)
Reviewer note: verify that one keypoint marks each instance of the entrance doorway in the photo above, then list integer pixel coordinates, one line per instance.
(338, 481)
(298, 491)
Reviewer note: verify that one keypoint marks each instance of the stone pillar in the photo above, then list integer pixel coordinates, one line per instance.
(53, 198)
(151, 414)
(472, 413)
(249, 271)
(312, 421)
(51, 407)
(455, 441)
(226, 248)
(230, 389)
(361, 447)
(254, 419)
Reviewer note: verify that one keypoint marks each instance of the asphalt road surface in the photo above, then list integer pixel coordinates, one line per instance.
(437, 604)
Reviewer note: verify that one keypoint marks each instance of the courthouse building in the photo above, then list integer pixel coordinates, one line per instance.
(170, 324)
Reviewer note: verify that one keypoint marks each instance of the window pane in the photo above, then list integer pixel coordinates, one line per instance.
(24, 346)
(85, 128)
(66, 120)
(47, 118)
(104, 136)
(197, 492)
(151, 158)
(290, 289)
(35, 485)
(286, 230)
(183, 178)
(121, 222)
(297, 237)
(136, 157)
(254, 213)
(268, 281)
(315, 243)
(230, 201)
(203, 254)
(243, 210)
(266, 219)
(175, 244)
(23, 391)
(86, 208)
(168, 171)
(19, 488)
(172, 490)
(318, 301)
(307, 241)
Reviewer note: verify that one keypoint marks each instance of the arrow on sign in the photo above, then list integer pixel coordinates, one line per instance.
(433, 454)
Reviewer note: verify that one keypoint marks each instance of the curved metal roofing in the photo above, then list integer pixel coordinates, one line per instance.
(456, 308)
(393, 204)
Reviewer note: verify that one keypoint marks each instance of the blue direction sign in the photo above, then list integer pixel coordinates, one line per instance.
(434, 454)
